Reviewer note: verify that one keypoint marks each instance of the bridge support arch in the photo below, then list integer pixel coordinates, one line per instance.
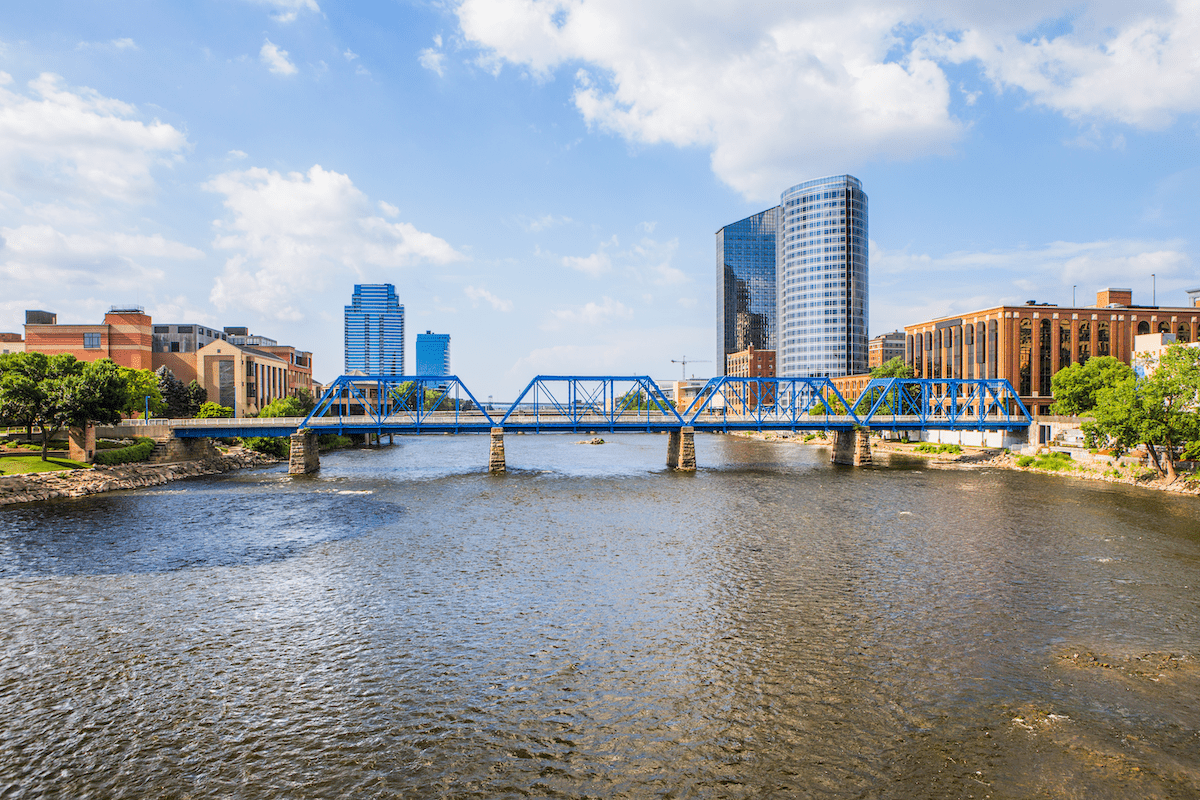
(496, 452)
(681, 449)
(303, 457)
(852, 447)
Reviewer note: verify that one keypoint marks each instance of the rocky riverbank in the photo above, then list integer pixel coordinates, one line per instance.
(979, 457)
(32, 487)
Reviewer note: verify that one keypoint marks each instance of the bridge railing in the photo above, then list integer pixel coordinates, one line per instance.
(577, 401)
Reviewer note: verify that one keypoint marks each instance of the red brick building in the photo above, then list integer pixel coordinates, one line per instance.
(124, 337)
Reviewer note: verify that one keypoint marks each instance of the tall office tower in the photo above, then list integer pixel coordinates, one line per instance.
(433, 353)
(375, 330)
(822, 271)
(746, 303)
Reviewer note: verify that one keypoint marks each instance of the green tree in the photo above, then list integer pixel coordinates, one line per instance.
(175, 394)
(140, 384)
(284, 407)
(1076, 387)
(213, 410)
(895, 368)
(21, 395)
(1158, 411)
(197, 396)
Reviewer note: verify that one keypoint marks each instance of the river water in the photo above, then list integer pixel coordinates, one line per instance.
(592, 625)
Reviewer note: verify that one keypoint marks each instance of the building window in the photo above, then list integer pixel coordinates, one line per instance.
(91, 341)
(1044, 359)
(1164, 327)
(1085, 342)
(1143, 328)
(1184, 334)
(174, 347)
(1064, 344)
(1102, 340)
(1025, 349)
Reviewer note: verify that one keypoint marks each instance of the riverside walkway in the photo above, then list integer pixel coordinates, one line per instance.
(413, 405)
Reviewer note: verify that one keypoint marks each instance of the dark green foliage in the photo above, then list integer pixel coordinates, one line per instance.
(329, 441)
(929, 447)
(127, 455)
(278, 446)
(197, 397)
(285, 407)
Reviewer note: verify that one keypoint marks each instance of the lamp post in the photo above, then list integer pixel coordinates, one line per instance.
(1072, 295)
(147, 417)
(1154, 290)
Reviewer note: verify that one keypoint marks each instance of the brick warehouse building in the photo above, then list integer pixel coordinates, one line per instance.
(1028, 344)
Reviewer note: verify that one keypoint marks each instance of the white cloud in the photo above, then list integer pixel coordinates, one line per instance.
(276, 59)
(124, 44)
(590, 313)
(288, 10)
(350, 55)
(1141, 71)
(788, 91)
(72, 143)
(432, 60)
(972, 280)
(539, 224)
(295, 234)
(594, 265)
(477, 293)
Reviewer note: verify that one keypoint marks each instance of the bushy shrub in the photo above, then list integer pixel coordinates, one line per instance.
(328, 441)
(212, 410)
(127, 455)
(929, 447)
(278, 446)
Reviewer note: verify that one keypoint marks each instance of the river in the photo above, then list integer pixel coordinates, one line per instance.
(592, 625)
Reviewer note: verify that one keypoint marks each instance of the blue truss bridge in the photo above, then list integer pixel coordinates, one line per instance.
(390, 404)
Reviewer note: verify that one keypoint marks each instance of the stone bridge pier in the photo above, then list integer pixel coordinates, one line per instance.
(681, 449)
(496, 453)
(852, 447)
(304, 458)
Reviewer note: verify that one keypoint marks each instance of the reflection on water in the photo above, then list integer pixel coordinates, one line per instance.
(591, 625)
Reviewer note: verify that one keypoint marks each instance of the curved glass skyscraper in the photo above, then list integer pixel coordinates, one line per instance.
(821, 257)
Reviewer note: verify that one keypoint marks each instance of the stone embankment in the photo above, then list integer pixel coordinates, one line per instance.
(32, 487)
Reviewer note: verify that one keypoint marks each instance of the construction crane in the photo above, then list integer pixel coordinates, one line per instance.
(685, 361)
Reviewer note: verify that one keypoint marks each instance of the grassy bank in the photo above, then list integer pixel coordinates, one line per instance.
(22, 465)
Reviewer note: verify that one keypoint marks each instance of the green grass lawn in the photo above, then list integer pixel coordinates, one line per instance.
(19, 465)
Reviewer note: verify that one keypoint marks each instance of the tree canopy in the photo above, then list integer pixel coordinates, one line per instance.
(895, 368)
(1076, 387)
(55, 392)
(1159, 411)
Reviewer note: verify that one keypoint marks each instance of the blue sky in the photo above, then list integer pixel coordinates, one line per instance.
(542, 180)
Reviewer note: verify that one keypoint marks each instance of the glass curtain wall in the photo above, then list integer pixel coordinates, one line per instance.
(746, 302)
(822, 255)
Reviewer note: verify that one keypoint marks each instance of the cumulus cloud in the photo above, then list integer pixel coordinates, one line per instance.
(276, 59)
(544, 222)
(788, 91)
(77, 142)
(293, 235)
(432, 60)
(478, 293)
(594, 265)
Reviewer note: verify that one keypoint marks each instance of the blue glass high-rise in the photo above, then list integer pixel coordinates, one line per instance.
(433, 353)
(746, 303)
(375, 330)
(822, 273)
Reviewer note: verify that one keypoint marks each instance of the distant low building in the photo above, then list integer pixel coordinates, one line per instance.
(750, 363)
(245, 379)
(884, 348)
(11, 343)
(1148, 349)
